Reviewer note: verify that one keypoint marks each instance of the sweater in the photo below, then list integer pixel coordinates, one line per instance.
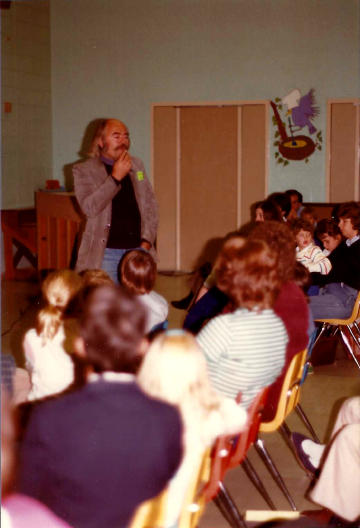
(313, 259)
(245, 351)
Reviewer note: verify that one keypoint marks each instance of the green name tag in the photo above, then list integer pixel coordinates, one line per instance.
(140, 175)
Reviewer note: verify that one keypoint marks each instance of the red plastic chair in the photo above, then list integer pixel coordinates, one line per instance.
(228, 453)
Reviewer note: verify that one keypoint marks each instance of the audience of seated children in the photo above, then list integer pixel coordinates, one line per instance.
(48, 348)
(291, 305)
(341, 285)
(307, 253)
(94, 454)
(138, 275)
(174, 370)
(245, 349)
(338, 486)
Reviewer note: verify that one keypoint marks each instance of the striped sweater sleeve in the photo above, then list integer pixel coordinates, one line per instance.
(319, 262)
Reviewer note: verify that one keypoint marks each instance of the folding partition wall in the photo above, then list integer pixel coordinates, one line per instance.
(209, 164)
(342, 150)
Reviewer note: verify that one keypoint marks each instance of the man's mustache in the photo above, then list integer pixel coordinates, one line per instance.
(122, 147)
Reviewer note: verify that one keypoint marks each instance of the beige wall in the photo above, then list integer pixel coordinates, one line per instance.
(115, 58)
(26, 83)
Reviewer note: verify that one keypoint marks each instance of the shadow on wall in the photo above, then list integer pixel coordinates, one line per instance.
(84, 149)
(212, 247)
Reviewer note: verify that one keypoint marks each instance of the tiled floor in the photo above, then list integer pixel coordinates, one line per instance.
(321, 397)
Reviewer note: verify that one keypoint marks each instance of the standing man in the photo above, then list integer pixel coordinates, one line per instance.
(116, 196)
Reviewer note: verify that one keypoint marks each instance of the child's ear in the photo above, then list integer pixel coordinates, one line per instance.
(79, 347)
(143, 347)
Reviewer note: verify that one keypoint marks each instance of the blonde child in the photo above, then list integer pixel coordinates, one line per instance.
(307, 253)
(138, 275)
(174, 370)
(48, 347)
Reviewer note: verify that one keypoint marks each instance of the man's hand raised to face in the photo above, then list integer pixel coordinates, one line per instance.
(121, 166)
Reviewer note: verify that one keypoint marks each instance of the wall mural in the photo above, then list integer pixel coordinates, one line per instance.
(301, 112)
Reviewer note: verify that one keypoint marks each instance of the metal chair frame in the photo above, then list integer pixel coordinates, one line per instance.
(289, 398)
(338, 325)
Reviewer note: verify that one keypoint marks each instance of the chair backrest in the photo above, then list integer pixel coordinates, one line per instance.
(230, 451)
(290, 393)
(152, 513)
(355, 314)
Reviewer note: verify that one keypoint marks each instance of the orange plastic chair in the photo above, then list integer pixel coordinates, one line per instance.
(339, 324)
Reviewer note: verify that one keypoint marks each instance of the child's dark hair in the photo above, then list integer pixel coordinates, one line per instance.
(351, 210)
(283, 200)
(271, 211)
(328, 226)
(294, 192)
(299, 224)
(137, 272)
(112, 327)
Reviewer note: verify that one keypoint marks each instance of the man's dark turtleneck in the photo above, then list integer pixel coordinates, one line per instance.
(125, 230)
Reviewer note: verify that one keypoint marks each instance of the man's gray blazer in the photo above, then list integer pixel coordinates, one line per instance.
(94, 190)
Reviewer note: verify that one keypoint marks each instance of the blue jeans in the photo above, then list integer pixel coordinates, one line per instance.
(111, 260)
(335, 302)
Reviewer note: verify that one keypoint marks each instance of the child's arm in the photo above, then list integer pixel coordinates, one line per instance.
(319, 262)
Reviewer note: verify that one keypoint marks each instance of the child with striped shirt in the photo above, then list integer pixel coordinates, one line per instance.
(307, 253)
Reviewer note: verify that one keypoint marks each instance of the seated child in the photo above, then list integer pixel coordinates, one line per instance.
(329, 233)
(308, 213)
(94, 278)
(48, 347)
(138, 275)
(174, 370)
(307, 253)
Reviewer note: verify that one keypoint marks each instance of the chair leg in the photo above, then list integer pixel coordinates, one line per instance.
(265, 456)
(240, 522)
(357, 328)
(347, 344)
(334, 331)
(323, 328)
(255, 479)
(223, 510)
(305, 420)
